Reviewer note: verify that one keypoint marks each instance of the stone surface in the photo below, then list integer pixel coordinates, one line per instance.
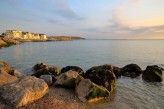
(89, 91)
(47, 79)
(55, 71)
(6, 79)
(117, 71)
(131, 70)
(102, 75)
(73, 68)
(4, 67)
(26, 91)
(18, 74)
(39, 66)
(67, 79)
(153, 74)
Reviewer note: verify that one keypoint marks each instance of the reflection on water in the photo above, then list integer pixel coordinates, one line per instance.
(129, 94)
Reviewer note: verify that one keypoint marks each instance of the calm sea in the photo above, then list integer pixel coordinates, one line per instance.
(129, 94)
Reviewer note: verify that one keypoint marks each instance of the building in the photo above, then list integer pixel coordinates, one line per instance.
(15, 34)
(43, 36)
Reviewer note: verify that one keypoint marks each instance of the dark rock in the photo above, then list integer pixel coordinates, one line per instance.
(18, 74)
(4, 67)
(131, 70)
(44, 69)
(73, 68)
(102, 75)
(40, 66)
(153, 74)
(117, 71)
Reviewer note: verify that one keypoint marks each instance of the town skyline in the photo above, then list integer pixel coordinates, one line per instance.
(114, 19)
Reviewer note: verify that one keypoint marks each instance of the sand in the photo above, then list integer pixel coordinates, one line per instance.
(56, 98)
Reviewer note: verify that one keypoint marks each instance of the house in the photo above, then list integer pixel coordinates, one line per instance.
(13, 34)
(43, 36)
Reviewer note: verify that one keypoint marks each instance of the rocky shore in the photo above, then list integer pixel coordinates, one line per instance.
(6, 42)
(70, 87)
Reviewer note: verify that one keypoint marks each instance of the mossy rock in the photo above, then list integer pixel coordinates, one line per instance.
(97, 93)
(102, 75)
(44, 71)
(131, 70)
(73, 68)
(153, 74)
(54, 71)
(39, 66)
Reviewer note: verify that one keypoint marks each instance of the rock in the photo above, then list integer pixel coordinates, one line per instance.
(10, 41)
(89, 91)
(67, 79)
(153, 74)
(6, 79)
(55, 71)
(18, 74)
(26, 91)
(117, 71)
(73, 68)
(4, 67)
(47, 70)
(47, 79)
(102, 75)
(40, 66)
(2, 43)
(131, 70)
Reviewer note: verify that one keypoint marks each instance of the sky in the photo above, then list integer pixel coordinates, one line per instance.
(93, 19)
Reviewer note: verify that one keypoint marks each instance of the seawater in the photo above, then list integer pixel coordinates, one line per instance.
(129, 93)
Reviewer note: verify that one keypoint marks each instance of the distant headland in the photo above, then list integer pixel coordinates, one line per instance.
(13, 37)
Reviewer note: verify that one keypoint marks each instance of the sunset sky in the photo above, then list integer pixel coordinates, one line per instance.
(99, 19)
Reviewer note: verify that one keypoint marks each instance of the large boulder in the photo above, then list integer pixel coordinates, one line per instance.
(4, 67)
(73, 68)
(6, 79)
(67, 79)
(18, 74)
(102, 75)
(153, 74)
(89, 91)
(47, 78)
(26, 91)
(131, 70)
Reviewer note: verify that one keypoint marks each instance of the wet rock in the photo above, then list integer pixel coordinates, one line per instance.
(102, 75)
(73, 68)
(86, 90)
(26, 91)
(47, 71)
(40, 66)
(67, 79)
(153, 74)
(6, 79)
(4, 67)
(18, 74)
(117, 71)
(131, 70)
(47, 78)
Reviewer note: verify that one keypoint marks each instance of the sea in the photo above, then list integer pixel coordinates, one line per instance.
(129, 94)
